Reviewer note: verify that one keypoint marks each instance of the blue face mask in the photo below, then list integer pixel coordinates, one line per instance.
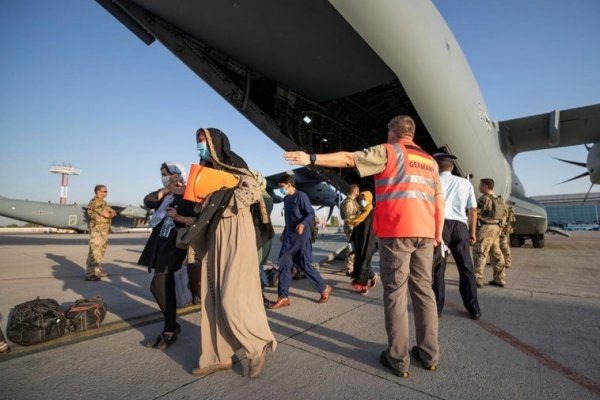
(282, 192)
(203, 152)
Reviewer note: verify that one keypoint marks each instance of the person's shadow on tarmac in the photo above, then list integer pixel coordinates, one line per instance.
(126, 292)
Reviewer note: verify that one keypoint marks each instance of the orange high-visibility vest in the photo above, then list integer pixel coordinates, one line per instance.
(405, 193)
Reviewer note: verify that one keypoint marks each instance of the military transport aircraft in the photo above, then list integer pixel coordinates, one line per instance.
(323, 76)
(310, 182)
(70, 216)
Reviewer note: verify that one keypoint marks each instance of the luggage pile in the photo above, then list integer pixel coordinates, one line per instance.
(41, 320)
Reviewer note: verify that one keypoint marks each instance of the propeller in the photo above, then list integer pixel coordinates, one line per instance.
(330, 213)
(576, 177)
(588, 193)
(579, 164)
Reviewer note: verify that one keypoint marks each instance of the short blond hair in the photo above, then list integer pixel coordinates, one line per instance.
(402, 125)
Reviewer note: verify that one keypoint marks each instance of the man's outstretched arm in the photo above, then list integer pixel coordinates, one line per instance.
(341, 159)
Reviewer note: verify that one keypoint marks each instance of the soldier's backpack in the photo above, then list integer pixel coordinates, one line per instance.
(86, 314)
(36, 321)
(499, 208)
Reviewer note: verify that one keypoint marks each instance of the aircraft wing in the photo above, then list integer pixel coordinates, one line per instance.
(555, 129)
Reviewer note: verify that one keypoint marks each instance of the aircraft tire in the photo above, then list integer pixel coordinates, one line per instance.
(538, 241)
(516, 241)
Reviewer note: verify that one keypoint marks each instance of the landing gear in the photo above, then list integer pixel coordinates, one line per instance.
(516, 241)
(538, 241)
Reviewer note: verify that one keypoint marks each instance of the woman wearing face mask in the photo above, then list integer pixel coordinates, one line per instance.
(233, 316)
(363, 240)
(160, 254)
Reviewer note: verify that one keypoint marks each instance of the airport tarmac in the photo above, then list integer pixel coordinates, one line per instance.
(539, 337)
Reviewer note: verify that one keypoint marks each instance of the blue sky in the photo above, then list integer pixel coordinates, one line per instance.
(78, 87)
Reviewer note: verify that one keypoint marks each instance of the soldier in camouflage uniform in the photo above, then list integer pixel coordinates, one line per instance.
(349, 210)
(488, 235)
(99, 216)
(506, 228)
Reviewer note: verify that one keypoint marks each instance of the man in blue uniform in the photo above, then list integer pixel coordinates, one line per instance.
(296, 244)
(459, 233)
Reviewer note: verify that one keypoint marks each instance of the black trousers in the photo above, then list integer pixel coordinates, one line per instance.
(456, 237)
(163, 289)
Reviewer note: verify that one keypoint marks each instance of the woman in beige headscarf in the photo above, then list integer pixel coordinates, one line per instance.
(233, 314)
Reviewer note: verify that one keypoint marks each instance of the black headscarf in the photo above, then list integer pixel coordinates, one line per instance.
(220, 150)
(222, 157)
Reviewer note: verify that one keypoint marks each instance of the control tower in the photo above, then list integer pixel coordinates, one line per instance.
(64, 170)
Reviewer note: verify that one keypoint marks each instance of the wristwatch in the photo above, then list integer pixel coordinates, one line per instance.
(313, 159)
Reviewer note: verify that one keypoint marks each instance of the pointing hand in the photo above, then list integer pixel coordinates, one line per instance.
(297, 158)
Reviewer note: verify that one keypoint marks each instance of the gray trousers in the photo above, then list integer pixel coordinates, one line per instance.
(406, 266)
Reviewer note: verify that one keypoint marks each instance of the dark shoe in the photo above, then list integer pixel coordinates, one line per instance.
(476, 316)
(92, 278)
(348, 273)
(325, 295)
(439, 314)
(494, 283)
(164, 340)
(211, 369)
(196, 300)
(415, 353)
(384, 361)
(281, 302)
(479, 284)
(257, 364)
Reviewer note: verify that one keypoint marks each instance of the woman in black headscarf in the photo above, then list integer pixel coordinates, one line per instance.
(233, 315)
(161, 254)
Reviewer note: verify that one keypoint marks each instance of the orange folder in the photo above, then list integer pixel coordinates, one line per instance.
(203, 181)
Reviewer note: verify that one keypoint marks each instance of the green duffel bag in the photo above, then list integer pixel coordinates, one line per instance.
(36, 321)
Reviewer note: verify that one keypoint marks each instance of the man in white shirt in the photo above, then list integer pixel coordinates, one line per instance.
(458, 234)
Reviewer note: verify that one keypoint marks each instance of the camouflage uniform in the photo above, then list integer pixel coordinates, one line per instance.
(488, 242)
(505, 230)
(350, 209)
(99, 227)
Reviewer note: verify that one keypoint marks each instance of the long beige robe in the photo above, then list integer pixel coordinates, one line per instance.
(233, 314)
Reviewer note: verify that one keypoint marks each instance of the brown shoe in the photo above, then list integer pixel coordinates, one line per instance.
(257, 364)
(211, 369)
(281, 302)
(101, 274)
(325, 295)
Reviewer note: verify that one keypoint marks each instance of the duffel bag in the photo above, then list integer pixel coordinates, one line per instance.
(86, 314)
(36, 321)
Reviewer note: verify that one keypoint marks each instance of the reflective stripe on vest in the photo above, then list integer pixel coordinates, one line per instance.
(405, 193)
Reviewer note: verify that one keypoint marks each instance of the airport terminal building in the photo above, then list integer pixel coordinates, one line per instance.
(569, 209)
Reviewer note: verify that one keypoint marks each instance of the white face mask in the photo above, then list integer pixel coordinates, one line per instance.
(165, 180)
(363, 203)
